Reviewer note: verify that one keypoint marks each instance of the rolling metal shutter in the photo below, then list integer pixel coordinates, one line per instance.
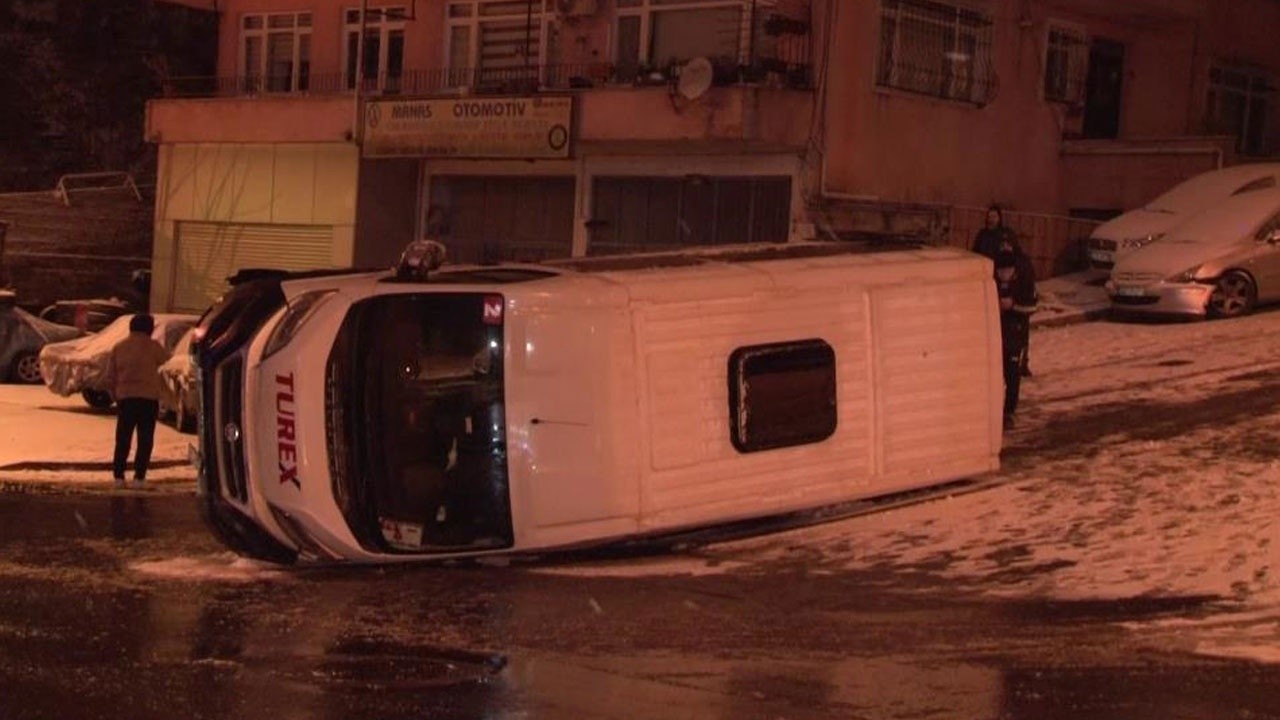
(207, 253)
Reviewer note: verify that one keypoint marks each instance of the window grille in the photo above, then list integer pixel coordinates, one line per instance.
(936, 49)
(1239, 103)
(1066, 64)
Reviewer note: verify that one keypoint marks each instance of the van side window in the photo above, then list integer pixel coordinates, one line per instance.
(782, 394)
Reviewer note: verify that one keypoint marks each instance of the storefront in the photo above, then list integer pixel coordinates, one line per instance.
(503, 179)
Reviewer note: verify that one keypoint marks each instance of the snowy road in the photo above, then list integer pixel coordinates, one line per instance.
(1144, 464)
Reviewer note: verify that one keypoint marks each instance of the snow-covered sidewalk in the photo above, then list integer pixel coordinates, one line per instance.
(61, 440)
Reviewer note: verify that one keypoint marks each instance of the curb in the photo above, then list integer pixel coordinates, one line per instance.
(1073, 318)
(73, 466)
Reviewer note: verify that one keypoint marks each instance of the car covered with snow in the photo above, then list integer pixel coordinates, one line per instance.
(472, 410)
(80, 365)
(1137, 228)
(1221, 262)
(179, 395)
(91, 315)
(22, 335)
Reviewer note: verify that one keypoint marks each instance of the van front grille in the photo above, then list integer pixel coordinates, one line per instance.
(228, 432)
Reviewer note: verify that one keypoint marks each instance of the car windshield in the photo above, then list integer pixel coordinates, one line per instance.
(416, 426)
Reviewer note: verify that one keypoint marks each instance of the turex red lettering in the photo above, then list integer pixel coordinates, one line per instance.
(286, 431)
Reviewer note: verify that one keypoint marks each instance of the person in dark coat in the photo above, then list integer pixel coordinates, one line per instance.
(134, 379)
(987, 241)
(1016, 287)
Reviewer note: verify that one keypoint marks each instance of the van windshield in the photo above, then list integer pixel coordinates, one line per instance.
(416, 425)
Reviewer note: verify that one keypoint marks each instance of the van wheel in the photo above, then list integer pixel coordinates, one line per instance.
(26, 368)
(1233, 296)
(99, 399)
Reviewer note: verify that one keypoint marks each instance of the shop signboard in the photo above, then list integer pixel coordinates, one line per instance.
(473, 127)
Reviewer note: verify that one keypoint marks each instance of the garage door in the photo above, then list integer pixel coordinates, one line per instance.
(209, 252)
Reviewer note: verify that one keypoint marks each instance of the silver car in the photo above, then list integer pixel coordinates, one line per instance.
(1220, 262)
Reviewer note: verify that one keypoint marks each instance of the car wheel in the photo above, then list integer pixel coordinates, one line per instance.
(26, 368)
(97, 398)
(1234, 295)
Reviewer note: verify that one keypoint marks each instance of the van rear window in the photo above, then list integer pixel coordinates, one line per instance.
(782, 394)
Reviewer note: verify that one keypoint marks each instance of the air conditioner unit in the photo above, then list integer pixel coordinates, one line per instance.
(577, 8)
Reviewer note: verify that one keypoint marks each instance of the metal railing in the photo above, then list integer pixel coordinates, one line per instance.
(773, 72)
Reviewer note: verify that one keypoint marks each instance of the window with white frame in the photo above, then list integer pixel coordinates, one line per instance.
(382, 65)
(1066, 64)
(1239, 103)
(935, 49)
(499, 41)
(658, 34)
(275, 51)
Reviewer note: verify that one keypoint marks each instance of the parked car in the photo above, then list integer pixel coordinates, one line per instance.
(80, 365)
(179, 395)
(21, 337)
(1221, 262)
(91, 315)
(1135, 229)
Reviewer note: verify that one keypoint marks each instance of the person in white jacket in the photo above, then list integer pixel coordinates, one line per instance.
(134, 379)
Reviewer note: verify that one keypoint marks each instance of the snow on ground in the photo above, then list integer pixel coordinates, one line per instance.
(223, 567)
(38, 426)
(1125, 476)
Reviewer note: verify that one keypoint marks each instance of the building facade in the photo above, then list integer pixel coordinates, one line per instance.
(336, 132)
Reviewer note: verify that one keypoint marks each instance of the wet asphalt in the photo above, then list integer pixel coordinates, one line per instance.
(89, 628)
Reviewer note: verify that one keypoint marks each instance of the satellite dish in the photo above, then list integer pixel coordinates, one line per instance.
(695, 78)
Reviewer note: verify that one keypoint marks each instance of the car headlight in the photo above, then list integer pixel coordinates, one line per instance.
(1135, 243)
(1186, 276)
(298, 312)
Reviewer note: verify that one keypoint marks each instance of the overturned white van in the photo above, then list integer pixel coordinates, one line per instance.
(495, 409)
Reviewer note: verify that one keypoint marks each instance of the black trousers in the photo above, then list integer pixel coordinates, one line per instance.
(1015, 329)
(135, 414)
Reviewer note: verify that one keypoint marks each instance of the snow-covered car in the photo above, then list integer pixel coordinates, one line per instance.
(91, 315)
(386, 417)
(1137, 228)
(21, 337)
(179, 395)
(80, 365)
(1221, 262)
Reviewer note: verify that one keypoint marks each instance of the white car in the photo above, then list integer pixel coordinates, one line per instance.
(80, 365)
(1135, 229)
(1222, 262)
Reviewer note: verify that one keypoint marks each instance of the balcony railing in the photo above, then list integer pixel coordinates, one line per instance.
(768, 72)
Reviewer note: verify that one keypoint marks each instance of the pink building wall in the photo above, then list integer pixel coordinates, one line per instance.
(897, 146)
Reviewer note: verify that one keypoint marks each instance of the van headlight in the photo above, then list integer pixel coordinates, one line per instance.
(1186, 276)
(298, 312)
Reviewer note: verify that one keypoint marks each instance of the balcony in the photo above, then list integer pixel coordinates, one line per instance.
(765, 104)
